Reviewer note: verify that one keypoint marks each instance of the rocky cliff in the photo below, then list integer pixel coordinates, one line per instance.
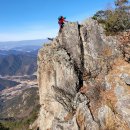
(83, 81)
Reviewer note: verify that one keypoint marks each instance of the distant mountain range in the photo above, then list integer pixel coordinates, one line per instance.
(19, 100)
(4, 53)
(20, 57)
(20, 64)
(22, 45)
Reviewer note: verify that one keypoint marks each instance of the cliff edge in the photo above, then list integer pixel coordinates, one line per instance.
(84, 80)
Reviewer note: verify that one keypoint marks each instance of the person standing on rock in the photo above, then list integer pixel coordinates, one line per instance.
(61, 22)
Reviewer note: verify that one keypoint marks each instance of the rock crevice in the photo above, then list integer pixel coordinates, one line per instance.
(74, 73)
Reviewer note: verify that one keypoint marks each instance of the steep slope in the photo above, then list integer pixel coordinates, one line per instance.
(83, 81)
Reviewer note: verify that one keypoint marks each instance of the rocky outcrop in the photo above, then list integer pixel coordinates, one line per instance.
(80, 82)
(124, 38)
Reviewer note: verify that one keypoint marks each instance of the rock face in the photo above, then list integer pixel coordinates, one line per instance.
(80, 81)
(125, 40)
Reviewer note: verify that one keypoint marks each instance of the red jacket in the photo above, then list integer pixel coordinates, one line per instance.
(61, 21)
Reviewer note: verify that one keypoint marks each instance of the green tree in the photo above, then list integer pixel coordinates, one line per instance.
(122, 4)
(120, 18)
(102, 16)
(115, 20)
(118, 21)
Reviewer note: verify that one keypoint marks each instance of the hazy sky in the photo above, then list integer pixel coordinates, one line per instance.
(36, 19)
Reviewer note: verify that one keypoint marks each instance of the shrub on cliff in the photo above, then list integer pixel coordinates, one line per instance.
(101, 16)
(116, 20)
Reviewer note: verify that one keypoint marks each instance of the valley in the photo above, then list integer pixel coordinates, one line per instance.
(19, 96)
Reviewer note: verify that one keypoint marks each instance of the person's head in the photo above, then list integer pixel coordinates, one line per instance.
(61, 17)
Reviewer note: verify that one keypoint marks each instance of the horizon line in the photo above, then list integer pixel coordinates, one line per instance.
(23, 40)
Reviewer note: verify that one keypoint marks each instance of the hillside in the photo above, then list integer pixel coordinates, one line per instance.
(84, 80)
(18, 102)
(4, 83)
(18, 58)
(18, 64)
(19, 98)
(19, 105)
